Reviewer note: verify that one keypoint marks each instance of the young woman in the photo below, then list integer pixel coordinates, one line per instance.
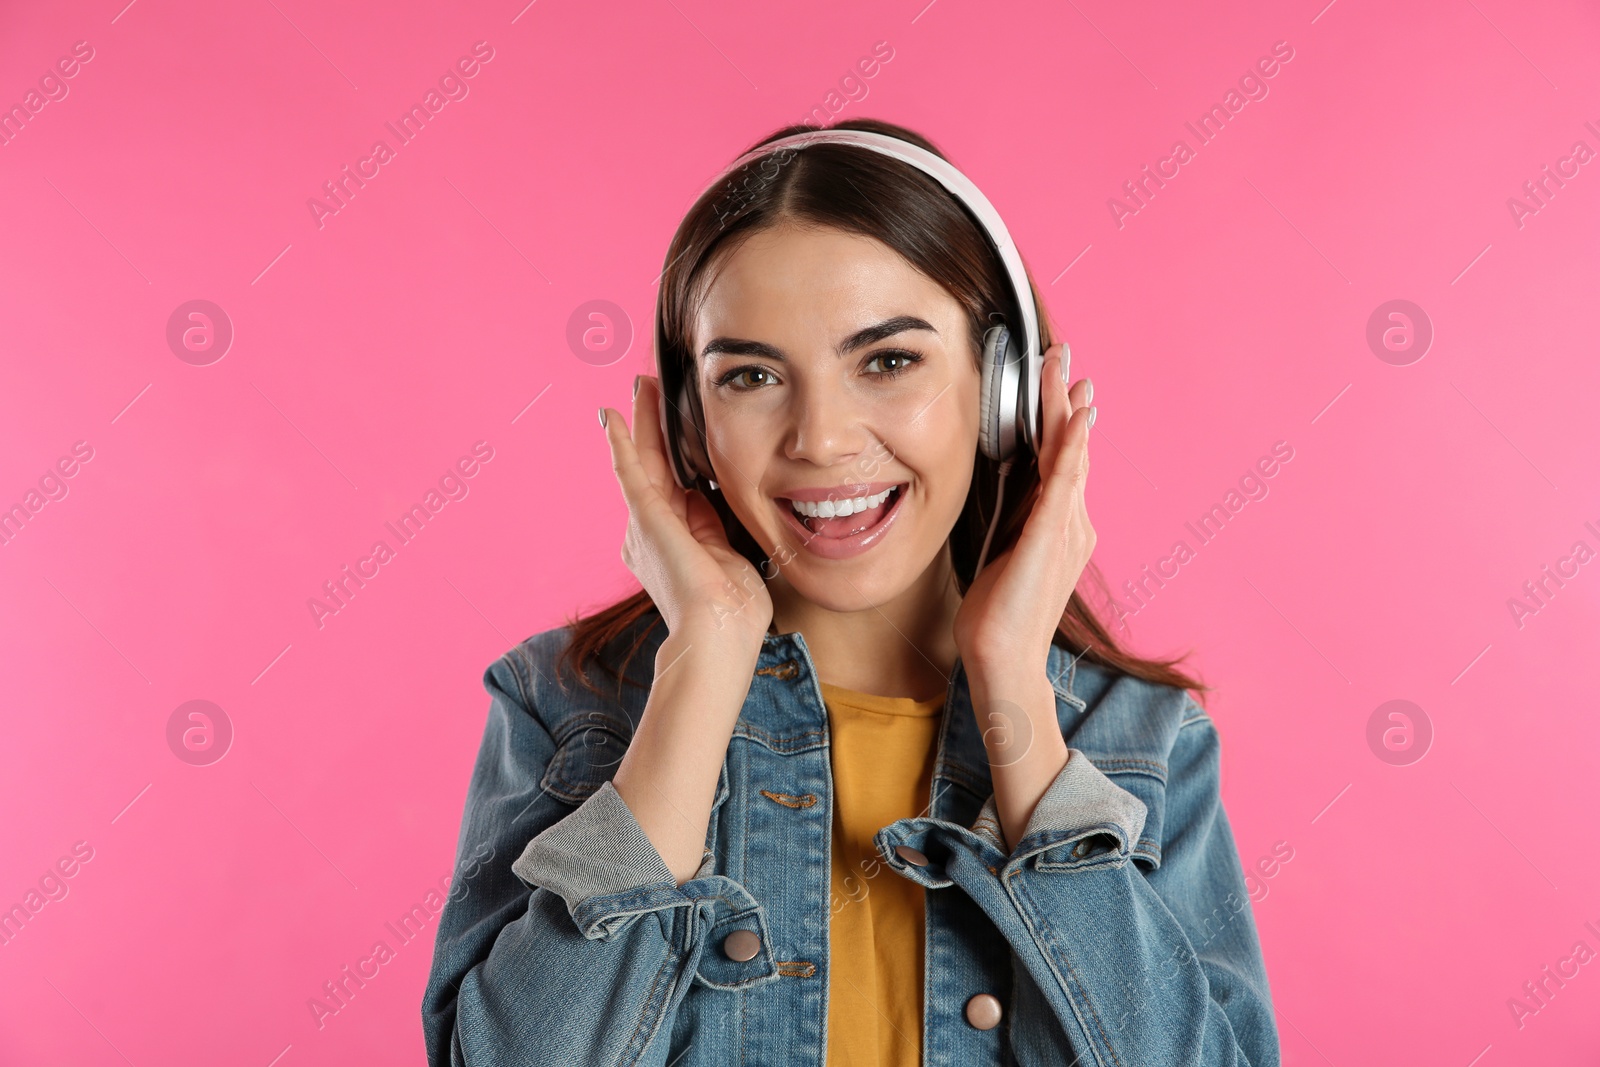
(857, 777)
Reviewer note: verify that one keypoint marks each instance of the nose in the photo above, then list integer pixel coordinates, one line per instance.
(826, 426)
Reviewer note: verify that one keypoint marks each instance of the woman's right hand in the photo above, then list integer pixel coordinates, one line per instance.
(676, 545)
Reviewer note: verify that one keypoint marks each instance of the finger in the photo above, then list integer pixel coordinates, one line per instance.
(1081, 527)
(639, 490)
(1065, 476)
(1080, 394)
(648, 438)
(1056, 408)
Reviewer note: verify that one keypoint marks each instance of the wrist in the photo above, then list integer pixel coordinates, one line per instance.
(1006, 667)
(721, 647)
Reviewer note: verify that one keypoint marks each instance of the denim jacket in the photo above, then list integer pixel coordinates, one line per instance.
(1117, 932)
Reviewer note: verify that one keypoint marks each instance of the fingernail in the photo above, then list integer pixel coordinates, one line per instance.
(636, 387)
(1093, 411)
(1089, 394)
(602, 417)
(1062, 366)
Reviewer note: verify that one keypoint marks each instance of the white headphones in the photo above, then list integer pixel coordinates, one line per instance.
(1009, 388)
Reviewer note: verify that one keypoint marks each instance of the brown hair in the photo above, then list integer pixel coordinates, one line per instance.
(871, 194)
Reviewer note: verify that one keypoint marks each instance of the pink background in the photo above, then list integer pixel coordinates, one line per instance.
(1229, 313)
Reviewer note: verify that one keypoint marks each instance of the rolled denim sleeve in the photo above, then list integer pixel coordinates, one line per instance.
(600, 863)
(1078, 807)
(546, 892)
(1160, 967)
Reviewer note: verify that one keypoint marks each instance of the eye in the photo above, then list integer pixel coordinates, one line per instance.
(738, 373)
(904, 360)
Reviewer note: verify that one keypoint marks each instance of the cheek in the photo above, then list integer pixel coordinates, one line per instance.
(740, 427)
(942, 462)
(741, 451)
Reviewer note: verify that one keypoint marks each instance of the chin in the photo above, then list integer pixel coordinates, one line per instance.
(868, 584)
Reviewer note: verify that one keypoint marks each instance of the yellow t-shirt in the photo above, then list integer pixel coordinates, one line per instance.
(882, 755)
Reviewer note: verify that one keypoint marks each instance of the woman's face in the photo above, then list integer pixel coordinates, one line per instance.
(835, 374)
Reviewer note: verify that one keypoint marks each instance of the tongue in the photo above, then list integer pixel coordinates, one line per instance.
(845, 526)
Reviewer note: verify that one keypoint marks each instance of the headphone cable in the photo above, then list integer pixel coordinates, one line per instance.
(999, 498)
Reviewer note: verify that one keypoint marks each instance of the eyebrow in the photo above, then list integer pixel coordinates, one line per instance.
(860, 339)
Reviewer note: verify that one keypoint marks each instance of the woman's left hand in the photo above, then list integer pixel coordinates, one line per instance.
(1011, 612)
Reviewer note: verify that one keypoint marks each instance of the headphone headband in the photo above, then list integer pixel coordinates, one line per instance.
(940, 170)
(1014, 389)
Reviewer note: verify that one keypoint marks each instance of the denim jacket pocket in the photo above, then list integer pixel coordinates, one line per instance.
(587, 754)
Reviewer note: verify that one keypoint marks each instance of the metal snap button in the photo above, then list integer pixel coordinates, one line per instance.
(983, 1011)
(741, 945)
(911, 855)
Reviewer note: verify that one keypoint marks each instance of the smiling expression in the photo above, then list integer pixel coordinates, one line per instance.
(835, 376)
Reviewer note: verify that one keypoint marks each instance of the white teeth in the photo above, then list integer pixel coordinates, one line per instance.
(831, 509)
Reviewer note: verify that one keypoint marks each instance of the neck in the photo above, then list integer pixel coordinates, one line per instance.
(902, 647)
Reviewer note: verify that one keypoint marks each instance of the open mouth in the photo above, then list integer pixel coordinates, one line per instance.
(838, 528)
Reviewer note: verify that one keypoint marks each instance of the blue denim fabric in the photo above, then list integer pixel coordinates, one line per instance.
(1118, 931)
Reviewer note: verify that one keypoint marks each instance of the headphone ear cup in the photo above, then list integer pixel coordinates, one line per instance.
(690, 461)
(672, 437)
(991, 390)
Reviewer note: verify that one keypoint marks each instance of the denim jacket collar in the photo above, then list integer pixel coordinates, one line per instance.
(785, 713)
